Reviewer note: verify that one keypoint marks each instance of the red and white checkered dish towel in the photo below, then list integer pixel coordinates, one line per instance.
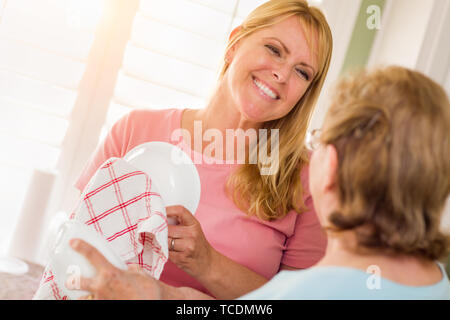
(120, 203)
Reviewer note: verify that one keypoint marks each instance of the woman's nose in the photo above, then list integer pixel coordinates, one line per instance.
(281, 74)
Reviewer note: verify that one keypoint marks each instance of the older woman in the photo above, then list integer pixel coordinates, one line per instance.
(379, 178)
(251, 223)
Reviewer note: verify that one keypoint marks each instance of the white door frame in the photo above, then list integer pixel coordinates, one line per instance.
(342, 22)
(434, 57)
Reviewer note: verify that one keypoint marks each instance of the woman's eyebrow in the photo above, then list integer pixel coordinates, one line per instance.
(281, 43)
(288, 52)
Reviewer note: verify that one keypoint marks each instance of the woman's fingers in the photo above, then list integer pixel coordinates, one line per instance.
(79, 283)
(186, 229)
(91, 254)
(188, 225)
(180, 232)
(110, 282)
(181, 245)
(176, 257)
(188, 247)
(173, 243)
(183, 215)
(135, 268)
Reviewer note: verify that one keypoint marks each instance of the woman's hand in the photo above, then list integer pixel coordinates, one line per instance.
(188, 247)
(221, 276)
(111, 283)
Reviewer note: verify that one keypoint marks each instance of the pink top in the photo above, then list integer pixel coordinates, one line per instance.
(297, 240)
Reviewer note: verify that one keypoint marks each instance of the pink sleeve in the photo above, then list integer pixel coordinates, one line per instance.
(308, 243)
(114, 145)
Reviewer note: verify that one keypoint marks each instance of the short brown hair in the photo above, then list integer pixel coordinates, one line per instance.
(391, 128)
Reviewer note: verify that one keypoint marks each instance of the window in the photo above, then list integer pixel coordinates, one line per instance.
(43, 53)
(70, 68)
(172, 58)
(50, 51)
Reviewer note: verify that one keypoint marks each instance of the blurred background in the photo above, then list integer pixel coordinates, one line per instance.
(70, 68)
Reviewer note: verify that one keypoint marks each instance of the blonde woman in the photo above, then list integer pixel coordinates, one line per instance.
(248, 225)
(379, 178)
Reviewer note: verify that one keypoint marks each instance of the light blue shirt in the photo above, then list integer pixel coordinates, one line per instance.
(342, 283)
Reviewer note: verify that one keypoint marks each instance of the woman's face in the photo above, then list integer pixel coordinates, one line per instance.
(270, 70)
(317, 165)
(323, 168)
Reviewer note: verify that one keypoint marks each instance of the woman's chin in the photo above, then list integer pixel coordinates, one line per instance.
(254, 113)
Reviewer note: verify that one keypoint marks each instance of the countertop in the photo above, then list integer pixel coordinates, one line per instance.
(20, 287)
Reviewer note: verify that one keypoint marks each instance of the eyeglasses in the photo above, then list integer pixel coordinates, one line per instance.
(312, 141)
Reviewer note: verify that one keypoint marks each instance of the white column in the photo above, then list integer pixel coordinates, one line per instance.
(29, 230)
(341, 18)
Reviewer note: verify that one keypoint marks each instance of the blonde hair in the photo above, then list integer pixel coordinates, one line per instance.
(391, 132)
(270, 197)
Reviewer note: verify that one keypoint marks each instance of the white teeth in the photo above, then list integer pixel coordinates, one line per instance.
(266, 90)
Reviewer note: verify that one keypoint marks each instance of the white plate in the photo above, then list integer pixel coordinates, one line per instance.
(67, 263)
(13, 266)
(171, 169)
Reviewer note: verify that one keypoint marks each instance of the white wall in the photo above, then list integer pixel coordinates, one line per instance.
(402, 34)
(342, 19)
(434, 57)
(415, 35)
(447, 82)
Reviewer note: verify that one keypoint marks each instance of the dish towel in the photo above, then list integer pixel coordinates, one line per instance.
(120, 203)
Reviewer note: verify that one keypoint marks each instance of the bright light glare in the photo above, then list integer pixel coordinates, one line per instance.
(84, 14)
(315, 2)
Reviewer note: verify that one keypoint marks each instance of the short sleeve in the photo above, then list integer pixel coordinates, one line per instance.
(114, 145)
(307, 244)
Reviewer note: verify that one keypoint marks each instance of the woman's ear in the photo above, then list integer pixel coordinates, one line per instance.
(230, 53)
(233, 33)
(330, 174)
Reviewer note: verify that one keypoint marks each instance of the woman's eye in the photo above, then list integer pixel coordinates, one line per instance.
(273, 49)
(303, 74)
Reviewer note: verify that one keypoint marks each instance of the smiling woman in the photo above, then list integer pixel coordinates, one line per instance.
(264, 61)
(292, 53)
(246, 231)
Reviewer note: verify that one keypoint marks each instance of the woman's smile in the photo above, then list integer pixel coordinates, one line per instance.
(266, 91)
(270, 70)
